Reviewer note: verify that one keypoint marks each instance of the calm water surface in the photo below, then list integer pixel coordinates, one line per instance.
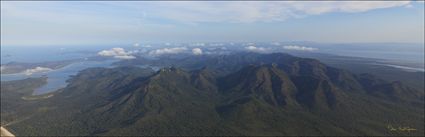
(56, 79)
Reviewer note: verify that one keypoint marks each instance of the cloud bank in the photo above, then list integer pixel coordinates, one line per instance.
(118, 53)
(163, 51)
(125, 57)
(36, 70)
(300, 48)
(256, 11)
(197, 51)
(159, 21)
(256, 49)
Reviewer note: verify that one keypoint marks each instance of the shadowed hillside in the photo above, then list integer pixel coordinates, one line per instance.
(252, 94)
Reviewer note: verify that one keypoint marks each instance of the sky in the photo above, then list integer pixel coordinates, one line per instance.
(38, 23)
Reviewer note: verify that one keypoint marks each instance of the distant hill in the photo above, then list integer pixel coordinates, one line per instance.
(240, 94)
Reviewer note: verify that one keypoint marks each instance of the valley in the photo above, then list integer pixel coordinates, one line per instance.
(239, 94)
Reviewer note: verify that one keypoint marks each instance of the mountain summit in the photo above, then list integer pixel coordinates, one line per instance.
(249, 94)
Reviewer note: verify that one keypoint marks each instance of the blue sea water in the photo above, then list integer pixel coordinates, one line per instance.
(31, 54)
(410, 55)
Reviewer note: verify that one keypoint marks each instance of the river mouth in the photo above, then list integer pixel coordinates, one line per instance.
(57, 79)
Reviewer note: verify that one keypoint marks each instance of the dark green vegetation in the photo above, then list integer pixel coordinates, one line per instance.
(360, 65)
(14, 107)
(240, 94)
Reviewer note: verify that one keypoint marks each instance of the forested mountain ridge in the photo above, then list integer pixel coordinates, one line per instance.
(247, 94)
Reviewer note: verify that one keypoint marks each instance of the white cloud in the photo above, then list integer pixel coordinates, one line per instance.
(112, 52)
(216, 52)
(92, 25)
(2, 68)
(167, 51)
(275, 43)
(136, 44)
(301, 48)
(147, 46)
(133, 51)
(193, 12)
(118, 53)
(255, 11)
(37, 70)
(197, 51)
(125, 57)
(198, 44)
(256, 49)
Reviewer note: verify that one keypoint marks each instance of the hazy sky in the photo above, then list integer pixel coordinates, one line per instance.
(96, 23)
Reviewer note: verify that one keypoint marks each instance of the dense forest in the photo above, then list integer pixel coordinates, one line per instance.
(243, 94)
